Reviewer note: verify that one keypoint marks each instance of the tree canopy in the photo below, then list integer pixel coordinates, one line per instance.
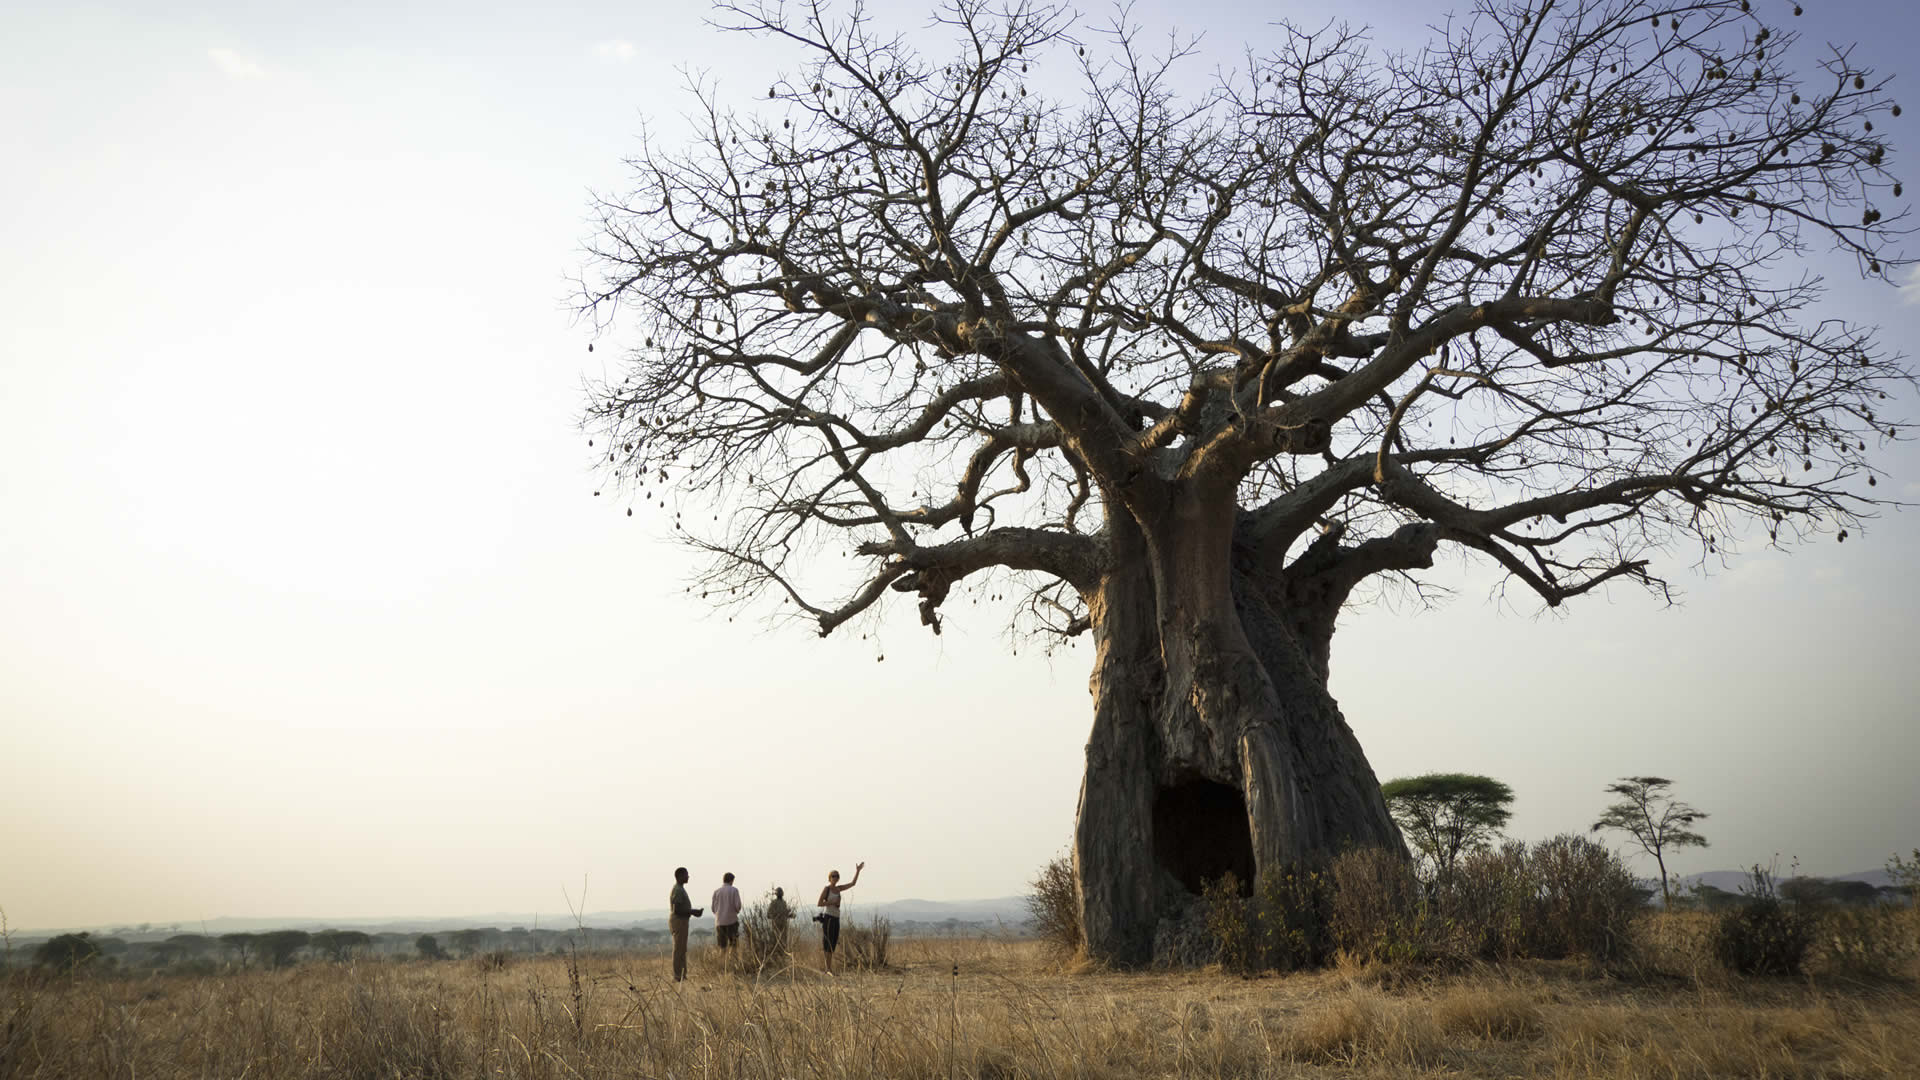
(1444, 815)
(1658, 822)
(1033, 313)
(67, 952)
(279, 947)
(1531, 290)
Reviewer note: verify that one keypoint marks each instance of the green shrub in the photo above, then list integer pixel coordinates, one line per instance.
(1764, 936)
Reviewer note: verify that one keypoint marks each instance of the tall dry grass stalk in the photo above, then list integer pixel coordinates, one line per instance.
(1011, 1011)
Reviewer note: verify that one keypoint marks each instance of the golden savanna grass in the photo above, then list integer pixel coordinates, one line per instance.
(1015, 1009)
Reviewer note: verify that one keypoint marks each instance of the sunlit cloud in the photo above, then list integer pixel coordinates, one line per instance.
(1910, 288)
(621, 51)
(235, 65)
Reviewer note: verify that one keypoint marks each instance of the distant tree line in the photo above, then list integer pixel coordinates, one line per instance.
(241, 950)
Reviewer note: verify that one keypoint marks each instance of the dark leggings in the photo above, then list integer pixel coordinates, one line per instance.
(830, 932)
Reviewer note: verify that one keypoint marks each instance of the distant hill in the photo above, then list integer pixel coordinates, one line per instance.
(1011, 910)
(1734, 880)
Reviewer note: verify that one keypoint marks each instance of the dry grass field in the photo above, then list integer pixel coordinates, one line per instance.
(1013, 1010)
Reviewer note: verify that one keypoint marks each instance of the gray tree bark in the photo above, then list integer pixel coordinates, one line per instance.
(1216, 746)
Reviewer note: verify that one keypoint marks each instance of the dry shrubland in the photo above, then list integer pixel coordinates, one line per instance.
(1013, 1009)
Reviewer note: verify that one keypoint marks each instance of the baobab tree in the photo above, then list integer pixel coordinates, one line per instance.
(1022, 317)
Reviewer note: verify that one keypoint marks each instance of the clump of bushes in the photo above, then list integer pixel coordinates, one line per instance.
(1766, 935)
(1487, 903)
(1378, 911)
(1568, 896)
(1293, 916)
(1874, 942)
(766, 931)
(1282, 923)
(1587, 899)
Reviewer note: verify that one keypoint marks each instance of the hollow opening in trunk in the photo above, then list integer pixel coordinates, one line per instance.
(1200, 832)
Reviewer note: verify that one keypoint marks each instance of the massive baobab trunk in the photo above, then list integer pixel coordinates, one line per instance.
(1215, 746)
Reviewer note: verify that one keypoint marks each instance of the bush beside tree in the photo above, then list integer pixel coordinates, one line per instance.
(1054, 904)
(1563, 897)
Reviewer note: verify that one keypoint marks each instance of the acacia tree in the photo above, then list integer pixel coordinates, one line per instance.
(278, 947)
(337, 945)
(1183, 371)
(1446, 814)
(1658, 822)
(243, 944)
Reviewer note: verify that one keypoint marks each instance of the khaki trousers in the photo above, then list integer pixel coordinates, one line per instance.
(679, 929)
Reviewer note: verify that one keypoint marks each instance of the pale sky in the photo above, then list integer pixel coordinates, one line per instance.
(307, 609)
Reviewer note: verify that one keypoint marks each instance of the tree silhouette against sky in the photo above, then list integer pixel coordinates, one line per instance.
(1658, 822)
(1023, 317)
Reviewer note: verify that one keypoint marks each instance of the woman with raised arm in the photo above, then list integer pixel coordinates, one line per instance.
(829, 905)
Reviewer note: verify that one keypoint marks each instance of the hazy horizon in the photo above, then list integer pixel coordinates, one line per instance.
(307, 604)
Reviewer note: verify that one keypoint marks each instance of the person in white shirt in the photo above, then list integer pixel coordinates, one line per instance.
(726, 913)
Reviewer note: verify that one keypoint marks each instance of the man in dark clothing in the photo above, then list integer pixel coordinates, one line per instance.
(680, 911)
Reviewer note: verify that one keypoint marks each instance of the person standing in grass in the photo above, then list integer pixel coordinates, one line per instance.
(680, 912)
(830, 910)
(779, 915)
(726, 913)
